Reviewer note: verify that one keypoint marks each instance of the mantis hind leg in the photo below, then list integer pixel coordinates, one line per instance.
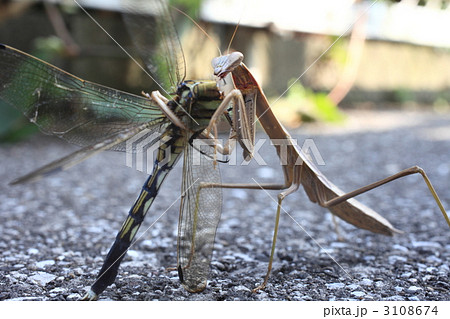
(403, 173)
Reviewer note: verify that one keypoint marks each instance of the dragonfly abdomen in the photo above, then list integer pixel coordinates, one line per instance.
(169, 151)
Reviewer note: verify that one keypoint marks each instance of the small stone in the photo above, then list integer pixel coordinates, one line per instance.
(366, 282)
(241, 288)
(57, 290)
(44, 263)
(433, 259)
(339, 244)
(413, 289)
(18, 275)
(394, 258)
(146, 244)
(133, 253)
(352, 286)
(395, 298)
(32, 251)
(73, 296)
(369, 258)
(42, 278)
(218, 265)
(426, 245)
(336, 285)
(358, 293)
(431, 269)
(400, 248)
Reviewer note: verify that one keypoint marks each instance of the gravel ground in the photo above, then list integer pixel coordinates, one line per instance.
(55, 233)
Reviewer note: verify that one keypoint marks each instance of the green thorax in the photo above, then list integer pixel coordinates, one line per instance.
(198, 98)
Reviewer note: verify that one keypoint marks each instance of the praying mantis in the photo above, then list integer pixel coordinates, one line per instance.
(299, 170)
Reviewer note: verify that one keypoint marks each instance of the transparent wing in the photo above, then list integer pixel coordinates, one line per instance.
(80, 155)
(199, 216)
(153, 32)
(81, 112)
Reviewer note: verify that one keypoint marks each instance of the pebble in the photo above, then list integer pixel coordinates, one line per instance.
(241, 288)
(395, 298)
(44, 263)
(426, 245)
(73, 296)
(366, 282)
(25, 299)
(413, 298)
(18, 275)
(352, 286)
(218, 265)
(400, 248)
(244, 257)
(336, 285)
(32, 251)
(358, 293)
(431, 269)
(57, 290)
(146, 244)
(369, 258)
(42, 278)
(394, 258)
(413, 289)
(339, 244)
(133, 254)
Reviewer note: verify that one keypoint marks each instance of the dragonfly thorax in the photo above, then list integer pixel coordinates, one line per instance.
(200, 99)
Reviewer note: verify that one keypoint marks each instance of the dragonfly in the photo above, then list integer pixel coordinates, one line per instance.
(100, 118)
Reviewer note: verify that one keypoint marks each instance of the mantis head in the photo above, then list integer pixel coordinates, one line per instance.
(225, 64)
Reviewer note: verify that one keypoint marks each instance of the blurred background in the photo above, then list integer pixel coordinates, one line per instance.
(331, 54)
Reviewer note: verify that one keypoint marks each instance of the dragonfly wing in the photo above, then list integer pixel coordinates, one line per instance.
(76, 157)
(156, 39)
(81, 112)
(199, 216)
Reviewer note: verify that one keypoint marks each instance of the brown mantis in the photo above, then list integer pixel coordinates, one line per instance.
(298, 169)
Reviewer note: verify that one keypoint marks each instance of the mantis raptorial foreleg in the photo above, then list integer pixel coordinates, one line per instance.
(162, 101)
(242, 129)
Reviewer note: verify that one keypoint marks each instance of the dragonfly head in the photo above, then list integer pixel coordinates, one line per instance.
(225, 64)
